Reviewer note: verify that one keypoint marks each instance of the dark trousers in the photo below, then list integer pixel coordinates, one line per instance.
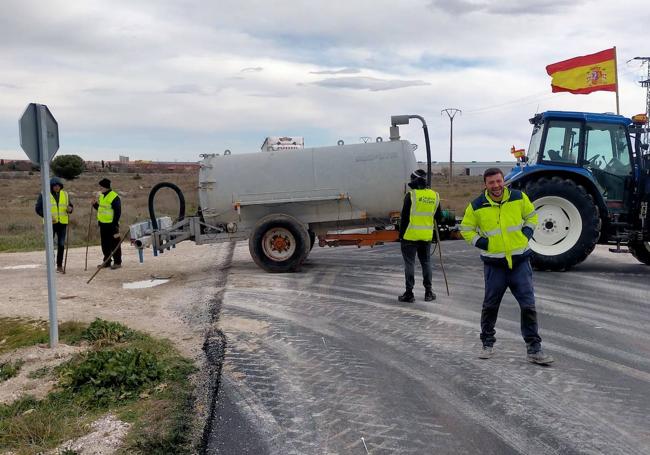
(59, 230)
(423, 251)
(106, 232)
(520, 282)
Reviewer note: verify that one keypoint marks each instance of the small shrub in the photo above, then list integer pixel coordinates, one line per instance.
(9, 370)
(101, 331)
(102, 377)
(68, 166)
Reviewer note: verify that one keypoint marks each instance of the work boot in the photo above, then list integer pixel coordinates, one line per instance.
(429, 295)
(407, 297)
(486, 352)
(103, 266)
(116, 266)
(539, 357)
(59, 269)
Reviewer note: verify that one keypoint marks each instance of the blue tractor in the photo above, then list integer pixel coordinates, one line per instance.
(588, 176)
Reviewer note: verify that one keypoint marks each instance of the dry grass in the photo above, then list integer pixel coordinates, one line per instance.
(21, 228)
(461, 192)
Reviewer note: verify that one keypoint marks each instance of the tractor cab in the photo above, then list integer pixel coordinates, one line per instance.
(597, 143)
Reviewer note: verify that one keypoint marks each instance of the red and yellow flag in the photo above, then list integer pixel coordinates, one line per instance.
(585, 74)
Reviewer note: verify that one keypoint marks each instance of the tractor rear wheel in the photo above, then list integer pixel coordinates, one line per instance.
(640, 250)
(279, 243)
(568, 223)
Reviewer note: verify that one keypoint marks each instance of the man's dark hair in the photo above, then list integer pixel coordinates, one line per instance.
(491, 171)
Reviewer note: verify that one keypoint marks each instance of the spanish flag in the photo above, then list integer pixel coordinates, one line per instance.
(585, 74)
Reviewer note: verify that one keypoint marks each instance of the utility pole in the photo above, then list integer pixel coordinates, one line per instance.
(451, 113)
(646, 85)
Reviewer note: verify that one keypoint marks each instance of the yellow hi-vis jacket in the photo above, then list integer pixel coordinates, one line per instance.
(424, 204)
(105, 210)
(503, 225)
(59, 210)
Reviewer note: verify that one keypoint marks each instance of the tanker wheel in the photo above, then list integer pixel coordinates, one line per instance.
(312, 239)
(279, 243)
(568, 224)
(640, 250)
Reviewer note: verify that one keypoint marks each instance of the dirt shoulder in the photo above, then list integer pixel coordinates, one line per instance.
(160, 310)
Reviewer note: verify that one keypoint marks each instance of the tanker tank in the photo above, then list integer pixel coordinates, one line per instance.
(324, 188)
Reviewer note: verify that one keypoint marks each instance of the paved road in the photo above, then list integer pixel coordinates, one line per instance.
(327, 361)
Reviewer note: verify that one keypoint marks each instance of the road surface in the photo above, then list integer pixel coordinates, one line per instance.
(326, 361)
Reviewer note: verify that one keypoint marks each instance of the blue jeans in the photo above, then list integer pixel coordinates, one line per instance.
(423, 251)
(520, 282)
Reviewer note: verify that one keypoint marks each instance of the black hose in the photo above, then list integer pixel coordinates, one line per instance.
(181, 202)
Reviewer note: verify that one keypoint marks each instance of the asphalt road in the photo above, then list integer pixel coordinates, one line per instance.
(326, 361)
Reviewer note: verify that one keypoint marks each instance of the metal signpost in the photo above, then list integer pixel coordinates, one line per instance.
(39, 138)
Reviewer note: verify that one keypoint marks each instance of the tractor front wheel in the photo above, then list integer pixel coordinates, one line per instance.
(568, 225)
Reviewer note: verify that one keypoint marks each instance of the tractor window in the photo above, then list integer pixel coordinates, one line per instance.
(562, 142)
(607, 156)
(607, 149)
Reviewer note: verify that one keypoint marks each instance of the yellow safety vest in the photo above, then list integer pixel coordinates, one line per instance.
(105, 211)
(424, 204)
(59, 210)
(501, 224)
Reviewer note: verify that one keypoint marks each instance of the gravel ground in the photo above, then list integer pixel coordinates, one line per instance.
(178, 310)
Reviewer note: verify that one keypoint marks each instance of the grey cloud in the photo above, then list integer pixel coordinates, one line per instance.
(367, 83)
(252, 69)
(185, 89)
(501, 7)
(341, 71)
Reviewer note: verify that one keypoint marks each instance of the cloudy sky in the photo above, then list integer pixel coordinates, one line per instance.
(168, 80)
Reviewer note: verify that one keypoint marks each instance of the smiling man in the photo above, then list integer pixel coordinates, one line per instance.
(500, 222)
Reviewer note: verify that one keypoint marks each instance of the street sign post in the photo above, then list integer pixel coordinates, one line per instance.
(39, 138)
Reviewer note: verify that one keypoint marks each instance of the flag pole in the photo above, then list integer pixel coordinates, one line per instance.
(618, 111)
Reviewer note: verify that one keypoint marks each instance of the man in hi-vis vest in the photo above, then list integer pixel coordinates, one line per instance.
(420, 211)
(500, 222)
(109, 210)
(61, 208)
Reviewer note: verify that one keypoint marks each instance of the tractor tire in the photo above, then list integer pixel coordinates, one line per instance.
(568, 225)
(640, 250)
(279, 243)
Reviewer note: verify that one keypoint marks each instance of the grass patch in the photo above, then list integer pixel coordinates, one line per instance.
(141, 379)
(18, 333)
(9, 370)
(40, 373)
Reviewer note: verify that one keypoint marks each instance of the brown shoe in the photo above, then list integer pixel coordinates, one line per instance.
(116, 266)
(59, 269)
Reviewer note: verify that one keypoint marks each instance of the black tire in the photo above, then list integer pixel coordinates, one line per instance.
(568, 225)
(312, 239)
(640, 250)
(279, 243)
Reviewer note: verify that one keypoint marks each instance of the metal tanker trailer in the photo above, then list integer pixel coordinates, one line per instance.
(280, 201)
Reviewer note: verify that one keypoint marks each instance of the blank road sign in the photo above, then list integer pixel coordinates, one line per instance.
(29, 133)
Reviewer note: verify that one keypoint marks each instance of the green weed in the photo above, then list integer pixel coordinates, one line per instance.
(9, 370)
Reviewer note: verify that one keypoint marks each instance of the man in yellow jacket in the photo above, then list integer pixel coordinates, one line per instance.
(500, 222)
(61, 207)
(420, 210)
